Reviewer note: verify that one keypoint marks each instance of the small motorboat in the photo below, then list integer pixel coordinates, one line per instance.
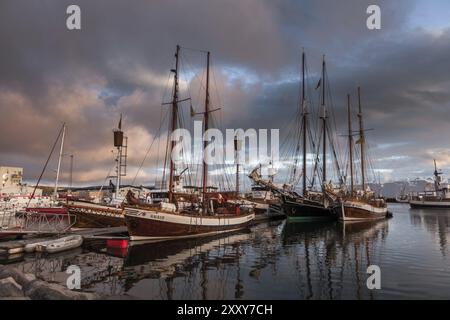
(31, 247)
(11, 247)
(59, 245)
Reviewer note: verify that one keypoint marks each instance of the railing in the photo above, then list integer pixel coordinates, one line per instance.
(7, 216)
(423, 193)
(34, 222)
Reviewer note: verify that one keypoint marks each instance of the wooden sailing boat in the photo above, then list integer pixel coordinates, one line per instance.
(169, 221)
(311, 205)
(362, 205)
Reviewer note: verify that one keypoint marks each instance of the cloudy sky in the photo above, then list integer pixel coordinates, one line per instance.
(120, 61)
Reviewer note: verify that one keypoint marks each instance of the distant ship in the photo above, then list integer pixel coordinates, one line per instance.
(439, 198)
(403, 197)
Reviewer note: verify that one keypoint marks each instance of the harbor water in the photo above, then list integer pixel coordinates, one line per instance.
(276, 260)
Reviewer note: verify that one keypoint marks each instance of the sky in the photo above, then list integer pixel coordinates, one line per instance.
(120, 61)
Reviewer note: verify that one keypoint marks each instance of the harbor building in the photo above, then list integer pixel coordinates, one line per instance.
(11, 182)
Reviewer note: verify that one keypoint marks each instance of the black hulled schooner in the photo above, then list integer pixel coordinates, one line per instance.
(310, 204)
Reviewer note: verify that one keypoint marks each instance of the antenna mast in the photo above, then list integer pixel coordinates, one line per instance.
(71, 174)
(118, 143)
(237, 148)
(55, 194)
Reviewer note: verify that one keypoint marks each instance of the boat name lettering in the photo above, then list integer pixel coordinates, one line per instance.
(156, 216)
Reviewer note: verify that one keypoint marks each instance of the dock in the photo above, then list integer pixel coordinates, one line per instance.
(110, 233)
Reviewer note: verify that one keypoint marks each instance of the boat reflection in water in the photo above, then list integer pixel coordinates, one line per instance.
(331, 259)
(310, 261)
(277, 260)
(437, 223)
(189, 260)
(100, 273)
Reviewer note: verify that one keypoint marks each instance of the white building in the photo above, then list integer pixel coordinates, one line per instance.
(11, 182)
(11, 176)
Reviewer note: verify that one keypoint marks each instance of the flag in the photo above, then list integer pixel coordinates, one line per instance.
(319, 83)
(120, 122)
(192, 112)
(360, 141)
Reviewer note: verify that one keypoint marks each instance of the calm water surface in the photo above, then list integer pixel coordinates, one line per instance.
(277, 260)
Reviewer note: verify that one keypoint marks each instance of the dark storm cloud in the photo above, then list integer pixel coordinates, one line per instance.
(405, 89)
(119, 63)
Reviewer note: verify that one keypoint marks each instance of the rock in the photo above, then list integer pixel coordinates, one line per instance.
(18, 276)
(9, 288)
(40, 290)
(15, 281)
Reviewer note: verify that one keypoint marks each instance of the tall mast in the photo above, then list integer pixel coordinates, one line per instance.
(324, 124)
(350, 144)
(205, 143)
(55, 194)
(304, 111)
(174, 120)
(361, 142)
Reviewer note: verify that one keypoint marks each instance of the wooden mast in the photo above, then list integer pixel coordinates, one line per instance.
(304, 111)
(361, 142)
(205, 143)
(174, 122)
(324, 124)
(350, 145)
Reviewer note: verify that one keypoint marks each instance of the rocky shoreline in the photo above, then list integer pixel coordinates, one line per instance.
(17, 285)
